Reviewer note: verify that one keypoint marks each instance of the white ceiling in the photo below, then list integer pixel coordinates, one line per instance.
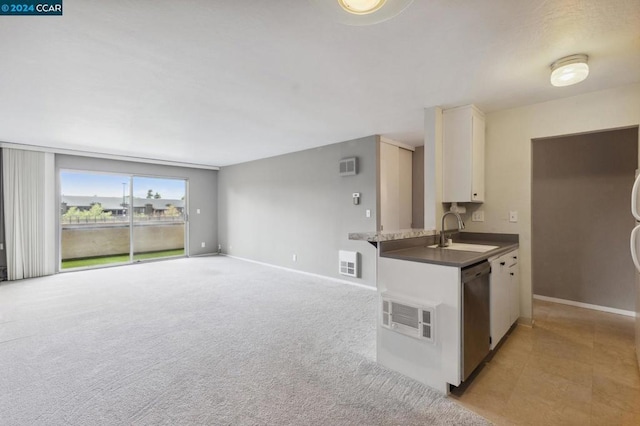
(221, 82)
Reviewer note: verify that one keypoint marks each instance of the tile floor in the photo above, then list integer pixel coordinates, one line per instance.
(574, 366)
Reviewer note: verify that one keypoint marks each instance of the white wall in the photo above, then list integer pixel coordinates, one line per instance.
(508, 158)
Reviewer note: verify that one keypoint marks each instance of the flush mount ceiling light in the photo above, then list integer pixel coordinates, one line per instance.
(569, 70)
(361, 7)
(361, 12)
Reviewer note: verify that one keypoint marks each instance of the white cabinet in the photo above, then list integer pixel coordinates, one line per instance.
(514, 288)
(463, 155)
(396, 164)
(505, 295)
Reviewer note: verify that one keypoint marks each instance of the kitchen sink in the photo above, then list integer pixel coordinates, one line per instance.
(479, 248)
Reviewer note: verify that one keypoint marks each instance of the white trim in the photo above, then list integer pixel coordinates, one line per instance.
(337, 280)
(80, 153)
(586, 305)
(204, 254)
(397, 143)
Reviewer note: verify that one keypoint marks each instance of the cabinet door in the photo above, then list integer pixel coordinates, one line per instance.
(456, 155)
(514, 293)
(500, 311)
(477, 178)
(463, 145)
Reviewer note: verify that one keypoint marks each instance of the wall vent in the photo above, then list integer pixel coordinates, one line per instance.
(348, 263)
(349, 166)
(412, 319)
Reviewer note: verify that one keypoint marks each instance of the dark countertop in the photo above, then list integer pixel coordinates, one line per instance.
(455, 258)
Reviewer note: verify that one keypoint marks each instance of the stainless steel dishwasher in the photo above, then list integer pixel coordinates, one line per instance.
(476, 330)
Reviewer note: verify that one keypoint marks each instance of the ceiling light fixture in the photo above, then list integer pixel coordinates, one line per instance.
(361, 12)
(569, 70)
(361, 7)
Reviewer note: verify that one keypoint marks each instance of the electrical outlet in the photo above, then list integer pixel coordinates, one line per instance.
(513, 216)
(477, 216)
(295, 257)
(367, 213)
(219, 247)
(197, 211)
(202, 244)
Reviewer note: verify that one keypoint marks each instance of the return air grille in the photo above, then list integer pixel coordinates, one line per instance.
(406, 315)
(348, 263)
(385, 313)
(348, 166)
(415, 320)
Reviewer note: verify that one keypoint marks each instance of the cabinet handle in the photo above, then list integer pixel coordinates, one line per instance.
(503, 263)
(515, 257)
(511, 273)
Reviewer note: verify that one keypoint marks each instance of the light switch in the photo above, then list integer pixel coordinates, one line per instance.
(197, 211)
(513, 216)
(367, 213)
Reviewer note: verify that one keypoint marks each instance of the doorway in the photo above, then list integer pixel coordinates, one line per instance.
(109, 219)
(581, 220)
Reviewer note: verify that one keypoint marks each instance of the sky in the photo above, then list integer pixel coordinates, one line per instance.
(110, 185)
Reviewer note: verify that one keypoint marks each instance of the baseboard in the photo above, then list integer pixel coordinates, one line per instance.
(586, 305)
(337, 280)
(205, 254)
(528, 322)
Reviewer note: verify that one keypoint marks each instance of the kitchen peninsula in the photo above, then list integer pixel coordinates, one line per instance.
(425, 293)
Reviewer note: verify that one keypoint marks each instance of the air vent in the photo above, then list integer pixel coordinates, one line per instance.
(348, 263)
(406, 315)
(412, 319)
(348, 166)
(426, 331)
(385, 313)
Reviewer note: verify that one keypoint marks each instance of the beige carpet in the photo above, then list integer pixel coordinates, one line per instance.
(202, 341)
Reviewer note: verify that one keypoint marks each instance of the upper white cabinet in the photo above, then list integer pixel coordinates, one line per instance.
(396, 164)
(463, 155)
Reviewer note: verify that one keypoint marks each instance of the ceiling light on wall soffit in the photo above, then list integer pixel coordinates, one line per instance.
(361, 12)
(569, 70)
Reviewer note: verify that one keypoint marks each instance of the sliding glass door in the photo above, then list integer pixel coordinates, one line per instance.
(158, 217)
(95, 228)
(108, 219)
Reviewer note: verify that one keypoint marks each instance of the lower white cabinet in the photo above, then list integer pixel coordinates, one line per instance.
(505, 295)
(514, 287)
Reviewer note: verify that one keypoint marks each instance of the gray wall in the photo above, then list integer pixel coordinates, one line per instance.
(581, 218)
(297, 203)
(417, 211)
(203, 192)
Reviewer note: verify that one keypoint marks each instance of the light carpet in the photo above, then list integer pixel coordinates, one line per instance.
(201, 341)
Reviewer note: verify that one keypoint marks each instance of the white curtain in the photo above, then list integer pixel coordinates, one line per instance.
(29, 212)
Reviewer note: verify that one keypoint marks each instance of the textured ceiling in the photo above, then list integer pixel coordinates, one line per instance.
(221, 82)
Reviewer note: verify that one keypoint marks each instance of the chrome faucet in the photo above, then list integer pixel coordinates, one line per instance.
(443, 239)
